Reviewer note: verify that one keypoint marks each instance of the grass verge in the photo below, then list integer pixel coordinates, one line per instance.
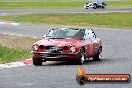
(119, 4)
(40, 5)
(117, 20)
(51, 4)
(9, 55)
(13, 48)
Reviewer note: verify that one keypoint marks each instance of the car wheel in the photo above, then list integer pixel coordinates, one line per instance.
(94, 6)
(81, 57)
(96, 56)
(103, 3)
(103, 7)
(37, 62)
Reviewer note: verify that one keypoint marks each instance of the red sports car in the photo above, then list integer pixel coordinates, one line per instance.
(67, 44)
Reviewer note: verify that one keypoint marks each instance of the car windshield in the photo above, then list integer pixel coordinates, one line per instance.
(66, 33)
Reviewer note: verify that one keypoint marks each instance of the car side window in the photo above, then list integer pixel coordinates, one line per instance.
(93, 34)
(89, 34)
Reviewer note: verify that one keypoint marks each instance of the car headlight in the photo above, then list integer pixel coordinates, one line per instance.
(73, 49)
(35, 47)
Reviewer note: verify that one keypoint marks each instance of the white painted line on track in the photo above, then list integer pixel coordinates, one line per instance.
(34, 37)
(3, 13)
(11, 34)
(9, 23)
(19, 35)
(4, 33)
(14, 23)
(2, 22)
(29, 59)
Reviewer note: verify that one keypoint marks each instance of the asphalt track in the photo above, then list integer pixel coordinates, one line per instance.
(116, 59)
(74, 11)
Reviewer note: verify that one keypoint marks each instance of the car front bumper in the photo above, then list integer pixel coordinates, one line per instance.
(47, 56)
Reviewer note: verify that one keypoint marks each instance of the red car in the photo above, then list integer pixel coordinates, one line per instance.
(67, 44)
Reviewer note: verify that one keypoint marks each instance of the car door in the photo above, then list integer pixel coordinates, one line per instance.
(92, 43)
(89, 42)
(95, 43)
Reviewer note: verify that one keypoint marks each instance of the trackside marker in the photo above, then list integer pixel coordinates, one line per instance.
(11, 65)
(16, 64)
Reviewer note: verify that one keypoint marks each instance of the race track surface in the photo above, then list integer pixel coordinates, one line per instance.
(116, 58)
(39, 11)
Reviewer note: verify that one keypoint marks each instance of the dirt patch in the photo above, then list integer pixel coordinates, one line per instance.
(12, 41)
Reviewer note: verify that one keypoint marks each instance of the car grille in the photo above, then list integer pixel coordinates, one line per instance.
(53, 49)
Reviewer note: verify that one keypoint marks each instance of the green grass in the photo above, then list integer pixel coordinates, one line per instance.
(9, 55)
(123, 20)
(57, 4)
(119, 4)
(40, 5)
(41, 0)
(14, 48)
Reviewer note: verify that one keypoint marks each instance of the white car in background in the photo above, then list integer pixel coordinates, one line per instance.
(95, 5)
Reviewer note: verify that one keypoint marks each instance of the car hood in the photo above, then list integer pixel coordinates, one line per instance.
(60, 42)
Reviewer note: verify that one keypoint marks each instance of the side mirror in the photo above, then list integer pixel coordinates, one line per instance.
(44, 36)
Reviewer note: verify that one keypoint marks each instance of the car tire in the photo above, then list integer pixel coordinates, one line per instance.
(103, 7)
(37, 62)
(81, 57)
(94, 6)
(103, 3)
(96, 56)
